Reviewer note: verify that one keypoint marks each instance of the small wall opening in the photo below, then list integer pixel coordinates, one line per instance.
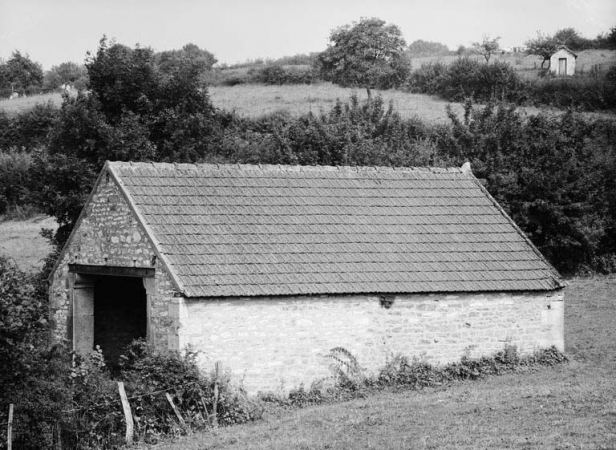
(120, 314)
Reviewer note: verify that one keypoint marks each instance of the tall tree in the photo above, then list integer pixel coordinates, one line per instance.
(133, 112)
(572, 39)
(20, 72)
(368, 54)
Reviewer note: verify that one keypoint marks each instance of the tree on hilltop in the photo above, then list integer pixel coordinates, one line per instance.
(368, 54)
(171, 60)
(427, 48)
(19, 72)
(572, 39)
(66, 73)
(543, 45)
(487, 47)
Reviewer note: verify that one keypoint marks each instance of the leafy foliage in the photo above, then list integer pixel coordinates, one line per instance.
(467, 78)
(134, 112)
(417, 374)
(20, 74)
(67, 73)
(14, 179)
(412, 373)
(23, 317)
(427, 48)
(368, 54)
(487, 47)
(542, 45)
(172, 61)
(29, 130)
(548, 177)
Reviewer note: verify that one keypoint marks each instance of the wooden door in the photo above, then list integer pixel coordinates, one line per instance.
(562, 66)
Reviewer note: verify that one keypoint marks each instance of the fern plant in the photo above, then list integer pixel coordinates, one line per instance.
(346, 370)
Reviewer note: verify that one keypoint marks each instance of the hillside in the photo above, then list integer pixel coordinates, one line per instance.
(251, 100)
(21, 240)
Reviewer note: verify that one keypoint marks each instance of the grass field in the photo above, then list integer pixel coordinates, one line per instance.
(257, 100)
(572, 406)
(21, 241)
(252, 100)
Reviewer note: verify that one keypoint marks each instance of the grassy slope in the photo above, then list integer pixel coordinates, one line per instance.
(568, 407)
(21, 240)
(256, 100)
(532, 63)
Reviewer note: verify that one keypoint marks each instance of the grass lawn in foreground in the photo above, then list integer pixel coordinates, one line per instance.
(571, 406)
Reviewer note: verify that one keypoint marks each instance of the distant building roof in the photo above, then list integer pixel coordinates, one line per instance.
(236, 230)
(565, 48)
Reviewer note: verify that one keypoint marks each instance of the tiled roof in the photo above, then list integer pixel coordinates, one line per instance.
(233, 230)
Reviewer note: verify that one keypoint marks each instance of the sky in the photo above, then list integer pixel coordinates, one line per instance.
(56, 31)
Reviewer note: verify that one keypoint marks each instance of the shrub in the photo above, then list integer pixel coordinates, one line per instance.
(462, 80)
(428, 79)
(417, 374)
(467, 78)
(14, 180)
(592, 91)
(28, 130)
(551, 174)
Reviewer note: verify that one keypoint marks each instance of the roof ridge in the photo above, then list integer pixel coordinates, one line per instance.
(284, 167)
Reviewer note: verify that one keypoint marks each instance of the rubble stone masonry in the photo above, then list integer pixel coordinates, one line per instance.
(277, 343)
(110, 235)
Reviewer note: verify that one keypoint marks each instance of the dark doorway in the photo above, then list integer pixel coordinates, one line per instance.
(120, 314)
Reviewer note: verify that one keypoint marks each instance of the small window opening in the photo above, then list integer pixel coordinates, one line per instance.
(386, 301)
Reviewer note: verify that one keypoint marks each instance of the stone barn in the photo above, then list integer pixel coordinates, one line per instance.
(562, 62)
(267, 268)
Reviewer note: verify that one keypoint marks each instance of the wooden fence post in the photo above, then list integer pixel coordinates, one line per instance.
(128, 416)
(218, 374)
(9, 430)
(175, 410)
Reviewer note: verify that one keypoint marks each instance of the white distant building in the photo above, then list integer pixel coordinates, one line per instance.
(562, 62)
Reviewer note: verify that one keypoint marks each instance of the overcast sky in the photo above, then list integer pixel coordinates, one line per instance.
(55, 31)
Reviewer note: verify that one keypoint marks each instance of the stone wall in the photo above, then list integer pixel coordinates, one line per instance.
(278, 343)
(110, 235)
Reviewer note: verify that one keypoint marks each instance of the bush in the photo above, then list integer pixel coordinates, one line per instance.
(350, 380)
(28, 130)
(67, 398)
(14, 180)
(590, 92)
(551, 174)
(467, 78)
(428, 79)
(418, 374)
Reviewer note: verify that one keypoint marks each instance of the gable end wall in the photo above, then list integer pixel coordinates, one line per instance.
(108, 234)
